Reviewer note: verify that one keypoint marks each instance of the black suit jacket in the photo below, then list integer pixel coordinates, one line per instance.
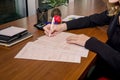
(109, 51)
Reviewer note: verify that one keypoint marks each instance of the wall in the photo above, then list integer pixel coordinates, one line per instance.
(32, 6)
(21, 7)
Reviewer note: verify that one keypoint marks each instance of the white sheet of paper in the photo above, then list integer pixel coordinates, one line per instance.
(36, 52)
(71, 17)
(59, 42)
(53, 49)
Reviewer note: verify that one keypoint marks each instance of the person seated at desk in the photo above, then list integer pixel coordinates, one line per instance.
(108, 61)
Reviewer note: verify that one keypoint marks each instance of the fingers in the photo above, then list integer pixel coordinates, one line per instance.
(46, 33)
(47, 30)
(55, 29)
(72, 39)
(55, 33)
(78, 39)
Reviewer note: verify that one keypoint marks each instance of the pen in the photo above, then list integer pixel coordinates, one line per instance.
(51, 27)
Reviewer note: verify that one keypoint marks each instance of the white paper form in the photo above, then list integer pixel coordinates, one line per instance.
(36, 52)
(59, 43)
(71, 17)
(53, 49)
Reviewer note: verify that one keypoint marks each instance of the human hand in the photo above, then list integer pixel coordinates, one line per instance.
(57, 28)
(78, 39)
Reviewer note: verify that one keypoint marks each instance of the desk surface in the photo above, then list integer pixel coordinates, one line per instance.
(23, 69)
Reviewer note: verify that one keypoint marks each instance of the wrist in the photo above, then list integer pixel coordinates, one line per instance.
(85, 40)
(64, 26)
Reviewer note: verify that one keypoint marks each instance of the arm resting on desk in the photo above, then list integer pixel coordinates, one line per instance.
(109, 54)
(89, 21)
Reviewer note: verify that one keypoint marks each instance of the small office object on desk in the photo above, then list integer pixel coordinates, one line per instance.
(71, 17)
(12, 35)
(42, 18)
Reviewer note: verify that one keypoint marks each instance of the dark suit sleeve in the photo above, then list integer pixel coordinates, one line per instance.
(110, 55)
(89, 21)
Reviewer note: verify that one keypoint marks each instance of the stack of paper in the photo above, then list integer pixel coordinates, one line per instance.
(71, 17)
(12, 35)
(53, 49)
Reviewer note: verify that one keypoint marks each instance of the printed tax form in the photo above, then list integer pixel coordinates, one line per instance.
(53, 49)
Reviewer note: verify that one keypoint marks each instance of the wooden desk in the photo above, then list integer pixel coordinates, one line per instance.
(23, 69)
